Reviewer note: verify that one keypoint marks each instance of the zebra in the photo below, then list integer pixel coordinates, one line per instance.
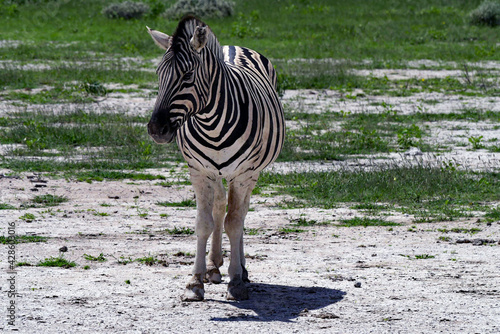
(221, 105)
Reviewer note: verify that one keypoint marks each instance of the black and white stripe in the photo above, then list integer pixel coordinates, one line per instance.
(221, 103)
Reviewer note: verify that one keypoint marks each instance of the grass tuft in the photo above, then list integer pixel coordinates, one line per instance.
(49, 200)
(190, 203)
(18, 239)
(180, 231)
(60, 262)
(365, 221)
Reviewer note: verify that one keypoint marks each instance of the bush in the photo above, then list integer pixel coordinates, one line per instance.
(488, 13)
(200, 8)
(244, 26)
(157, 7)
(126, 10)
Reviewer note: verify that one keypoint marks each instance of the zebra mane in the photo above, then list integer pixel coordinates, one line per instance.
(185, 31)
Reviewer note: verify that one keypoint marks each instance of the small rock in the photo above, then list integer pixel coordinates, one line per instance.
(326, 315)
(413, 151)
(357, 285)
(63, 249)
(304, 312)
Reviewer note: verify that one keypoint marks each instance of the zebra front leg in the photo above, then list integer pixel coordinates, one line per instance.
(215, 260)
(239, 199)
(244, 274)
(204, 189)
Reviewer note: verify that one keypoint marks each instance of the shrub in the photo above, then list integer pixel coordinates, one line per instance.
(245, 25)
(126, 10)
(488, 13)
(201, 8)
(157, 7)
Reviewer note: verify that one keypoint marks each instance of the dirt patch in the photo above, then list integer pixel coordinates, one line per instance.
(327, 278)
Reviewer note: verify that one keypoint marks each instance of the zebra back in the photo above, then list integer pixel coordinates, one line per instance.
(220, 101)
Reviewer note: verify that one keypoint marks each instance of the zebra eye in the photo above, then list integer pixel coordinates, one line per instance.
(188, 76)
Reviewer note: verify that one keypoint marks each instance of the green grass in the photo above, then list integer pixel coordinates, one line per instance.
(48, 200)
(252, 231)
(84, 52)
(56, 262)
(424, 256)
(99, 258)
(427, 29)
(430, 193)
(363, 133)
(23, 264)
(473, 230)
(371, 207)
(148, 260)
(180, 231)
(14, 78)
(189, 203)
(48, 96)
(493, 215)
(6, 206)
(287, 230)
(28, 217)
(365, 221)
(387, 34)
(18, 239)
(101, 175)
(102, 141)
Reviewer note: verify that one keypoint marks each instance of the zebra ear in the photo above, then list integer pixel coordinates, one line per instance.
(199, 39)
(164, 41)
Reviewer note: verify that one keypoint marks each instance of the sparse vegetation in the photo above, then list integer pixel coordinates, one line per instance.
(184, 203)
(423, 191)
(286, 230)
(424, 256)
(5, 206)
(473, 230)
(59, 261)
(180, 231)
(49, 200)
(476, 142)
(99, 258)
(365, 221)
(18, 239)
(150, 260)
(28, 217)
(23, 264)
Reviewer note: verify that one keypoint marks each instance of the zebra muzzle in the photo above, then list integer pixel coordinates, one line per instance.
(161, 133)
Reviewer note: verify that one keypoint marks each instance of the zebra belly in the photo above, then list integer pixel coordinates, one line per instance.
(227, 163)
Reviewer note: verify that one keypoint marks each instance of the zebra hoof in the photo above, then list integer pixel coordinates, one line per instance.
(213, 276)
(244, 276)
(194, 291)
(237, 290)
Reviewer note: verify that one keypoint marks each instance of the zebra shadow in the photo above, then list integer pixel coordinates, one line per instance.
(282, 303)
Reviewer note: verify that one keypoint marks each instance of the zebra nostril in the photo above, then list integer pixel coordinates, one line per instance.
(164, 130)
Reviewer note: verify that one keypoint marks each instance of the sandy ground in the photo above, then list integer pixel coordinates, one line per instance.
(327, 279)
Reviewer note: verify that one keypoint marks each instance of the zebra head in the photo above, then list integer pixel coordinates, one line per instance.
(183, 78)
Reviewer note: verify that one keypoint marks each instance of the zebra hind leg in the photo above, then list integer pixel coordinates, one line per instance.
(238, 201)
(215, 260)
